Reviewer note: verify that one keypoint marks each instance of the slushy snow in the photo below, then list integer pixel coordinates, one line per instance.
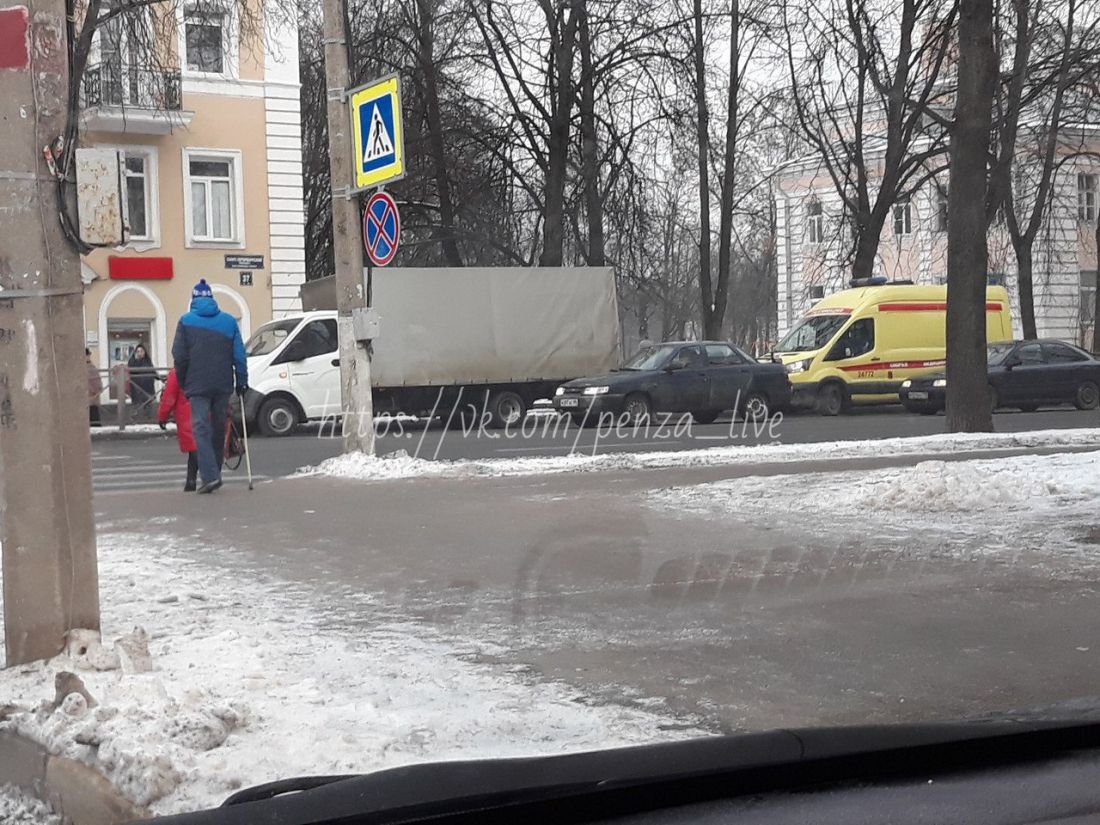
(249, 685)
(16, 808)
(400, 465)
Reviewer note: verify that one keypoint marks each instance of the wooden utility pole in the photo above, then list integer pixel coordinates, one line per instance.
(347, 238)
(46, 522)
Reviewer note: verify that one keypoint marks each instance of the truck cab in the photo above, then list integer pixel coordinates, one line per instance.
(294, 369)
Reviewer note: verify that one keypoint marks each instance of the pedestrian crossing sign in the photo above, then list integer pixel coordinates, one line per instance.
(377, 138)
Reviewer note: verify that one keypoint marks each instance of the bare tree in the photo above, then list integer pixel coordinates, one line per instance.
(968, 401)
(866, 89)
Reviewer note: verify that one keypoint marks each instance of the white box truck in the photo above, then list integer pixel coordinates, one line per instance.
(473, 339)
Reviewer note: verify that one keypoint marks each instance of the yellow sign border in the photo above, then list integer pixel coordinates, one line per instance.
(364, 95)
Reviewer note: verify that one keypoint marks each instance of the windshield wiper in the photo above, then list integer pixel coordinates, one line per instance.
(616, 782)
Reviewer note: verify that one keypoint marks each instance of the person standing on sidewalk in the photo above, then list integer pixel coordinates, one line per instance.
(209, 358)
(95, 389)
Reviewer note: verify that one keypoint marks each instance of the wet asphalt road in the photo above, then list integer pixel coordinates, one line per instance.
(153, 462)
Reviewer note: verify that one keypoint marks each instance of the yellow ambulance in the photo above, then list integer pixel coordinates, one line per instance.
(858, 345)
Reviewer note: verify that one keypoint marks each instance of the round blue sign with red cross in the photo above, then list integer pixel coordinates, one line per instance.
(381, 228)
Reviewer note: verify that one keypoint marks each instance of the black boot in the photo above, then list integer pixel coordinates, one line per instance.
(189, 485)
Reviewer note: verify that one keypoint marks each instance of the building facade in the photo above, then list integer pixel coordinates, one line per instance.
(212, 179)
(813, 241)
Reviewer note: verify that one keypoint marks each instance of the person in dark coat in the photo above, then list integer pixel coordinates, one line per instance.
(174, 404)
(209, 359)
(142, 378)
(95, 389)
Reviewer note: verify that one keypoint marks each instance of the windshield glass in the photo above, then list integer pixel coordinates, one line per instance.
(268, 337)
(998, 352)
(813, 333)
(650, 358)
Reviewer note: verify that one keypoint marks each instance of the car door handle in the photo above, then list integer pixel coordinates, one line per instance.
(876, 358)
(335, 362)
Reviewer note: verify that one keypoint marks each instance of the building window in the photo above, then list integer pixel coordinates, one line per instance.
(1086, 197)
(815, 223)
(941, 208)
(903, 217)
(136, 172)
(212, 187)
(204, 33)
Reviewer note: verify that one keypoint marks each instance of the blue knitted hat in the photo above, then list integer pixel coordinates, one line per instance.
(202, 290)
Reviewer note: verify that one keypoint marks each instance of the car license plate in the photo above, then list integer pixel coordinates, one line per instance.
(569, 402)
(918, 395)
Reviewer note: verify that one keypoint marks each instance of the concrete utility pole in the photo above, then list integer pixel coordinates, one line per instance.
(347, 238)
(50, 578)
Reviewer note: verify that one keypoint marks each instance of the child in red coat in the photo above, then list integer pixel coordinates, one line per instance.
(174, 404)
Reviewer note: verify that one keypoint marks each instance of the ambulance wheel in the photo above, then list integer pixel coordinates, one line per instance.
(832, 399)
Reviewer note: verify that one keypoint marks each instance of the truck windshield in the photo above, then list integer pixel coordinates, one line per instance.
(812, 333)
(268, 337)
(650, 358)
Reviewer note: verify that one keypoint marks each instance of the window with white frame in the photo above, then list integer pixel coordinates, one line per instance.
(206, 39)
(213, 191)
(138, 171)
(815, 222)
(1086, 196)
(903, 217)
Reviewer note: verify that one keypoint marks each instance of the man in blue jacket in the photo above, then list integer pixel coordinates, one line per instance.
(209, 358)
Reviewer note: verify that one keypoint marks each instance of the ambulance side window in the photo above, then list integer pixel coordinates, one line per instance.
(858, 339)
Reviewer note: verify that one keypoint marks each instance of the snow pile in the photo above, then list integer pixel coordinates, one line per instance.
(1018, 485)
(108, 431)
(16, 808)
(401, 465)
(248, 685)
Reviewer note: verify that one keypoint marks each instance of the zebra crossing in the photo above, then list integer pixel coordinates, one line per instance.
(115, 473)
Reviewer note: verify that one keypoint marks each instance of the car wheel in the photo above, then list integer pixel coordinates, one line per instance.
(637, 408)
(506, 408)
(705, 416)
(1088, 396)
(832, 399)
(927, 410)
(278, 417)
(755, 407)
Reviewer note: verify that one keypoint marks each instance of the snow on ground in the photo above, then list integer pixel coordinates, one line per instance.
(249, 685)
(1029, 503)
(109, 431)
(16, 808)
(400, 465)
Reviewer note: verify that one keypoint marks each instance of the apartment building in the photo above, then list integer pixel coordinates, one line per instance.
(813, 240)
(212, 176)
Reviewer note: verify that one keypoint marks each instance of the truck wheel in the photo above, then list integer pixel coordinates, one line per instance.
(278, 417)
(832, 399)
(1088, 396)
(637, 408)
(705, 416)
(505, 408)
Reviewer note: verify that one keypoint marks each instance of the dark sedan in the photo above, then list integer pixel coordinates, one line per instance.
(704, 378)
(1022, 374)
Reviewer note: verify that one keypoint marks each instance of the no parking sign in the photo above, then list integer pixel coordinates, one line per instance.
(381, 228)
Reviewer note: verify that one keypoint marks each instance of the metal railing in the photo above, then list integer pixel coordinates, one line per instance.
(129, 399)
(121, 85)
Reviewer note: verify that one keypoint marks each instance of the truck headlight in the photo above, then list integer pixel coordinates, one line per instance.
(940, 382)
(799, 366)
(595, 390)
(908, 382)
(559, 391)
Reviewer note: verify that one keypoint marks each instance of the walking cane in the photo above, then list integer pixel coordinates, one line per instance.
(244, 433)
